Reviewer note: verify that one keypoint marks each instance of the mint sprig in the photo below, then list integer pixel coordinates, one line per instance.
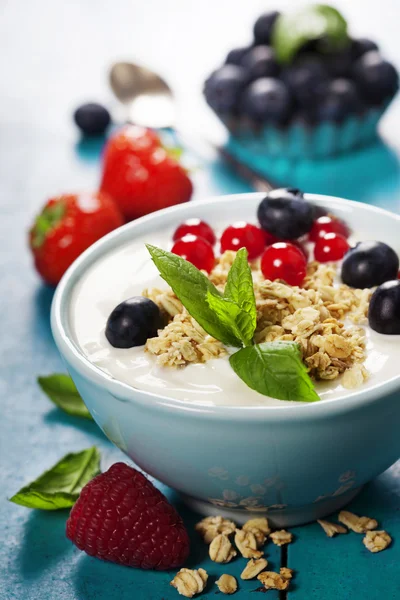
(316, 22)
(61, 390)
(275, 369)
(220, 317)
(59, 487)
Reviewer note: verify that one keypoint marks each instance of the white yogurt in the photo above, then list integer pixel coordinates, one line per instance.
(124, 273)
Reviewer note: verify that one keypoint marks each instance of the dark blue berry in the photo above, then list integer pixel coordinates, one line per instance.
(267, 99)
(235, 56)
(223, 88)
(361, 46)
(376, 78)
(285, 214)
(260, 62)
(263, 27)
(307, 79)
(369, 264)
(341, 99)
(92, 118)
(339, 64)
(132, 322)
(384, 308)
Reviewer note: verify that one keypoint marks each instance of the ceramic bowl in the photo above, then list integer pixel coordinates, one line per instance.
(295, 463)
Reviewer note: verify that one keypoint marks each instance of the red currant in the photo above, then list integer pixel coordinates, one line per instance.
(284, 261)
(244, 235)
(331, 247)
(326, 224)
(195, 227)
(195, 250)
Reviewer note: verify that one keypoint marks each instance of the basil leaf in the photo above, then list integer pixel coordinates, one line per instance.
(191, 286)
(61, 390)
(240, 288)
(275, 369)
(316, 22)
(60, 486)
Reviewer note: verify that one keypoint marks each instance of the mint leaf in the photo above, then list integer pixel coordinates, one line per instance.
(275, 369)
(316, 22)
(61, 390)
(60, 486)
(192, 287)
(227, 312)
(240, 289)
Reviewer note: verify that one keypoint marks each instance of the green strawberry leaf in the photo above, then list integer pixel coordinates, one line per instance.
(61, 390)
(60, 486)
(48, 218)
(192, 287)
(316, 22)
(275, 369)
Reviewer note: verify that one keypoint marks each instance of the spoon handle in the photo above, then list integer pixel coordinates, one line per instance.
(203, 147)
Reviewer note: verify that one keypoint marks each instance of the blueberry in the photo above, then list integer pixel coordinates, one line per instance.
(307, 79)
(369, 264)
(260, 62)
(223, 88)
(92, 118)
(376, 78)
(267, 99)
(235, 56)
(263, 27)
(384, 308)
(132, 322)
(361, 46)
(285, 214)
(339, 64)
(341, 99)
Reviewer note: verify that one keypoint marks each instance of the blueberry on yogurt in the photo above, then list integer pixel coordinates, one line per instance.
(369, 264)
(132, 322)
(285, 214)
(384, 308)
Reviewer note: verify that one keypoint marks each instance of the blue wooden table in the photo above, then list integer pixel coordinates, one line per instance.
(56, 55)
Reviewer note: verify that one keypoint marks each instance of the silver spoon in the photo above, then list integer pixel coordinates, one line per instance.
(148, 100)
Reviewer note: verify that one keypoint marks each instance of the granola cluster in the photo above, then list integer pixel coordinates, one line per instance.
(312, 316)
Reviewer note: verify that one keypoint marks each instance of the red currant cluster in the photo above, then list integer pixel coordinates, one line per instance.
(280, 259)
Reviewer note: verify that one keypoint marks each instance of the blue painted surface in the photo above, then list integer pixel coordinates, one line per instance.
(57, 55)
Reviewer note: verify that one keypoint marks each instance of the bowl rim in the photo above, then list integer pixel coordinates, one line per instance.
(126, 393)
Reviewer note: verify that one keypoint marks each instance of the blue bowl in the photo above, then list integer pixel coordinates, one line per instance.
(294, 463)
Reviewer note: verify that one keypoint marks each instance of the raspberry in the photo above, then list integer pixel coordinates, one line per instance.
(121, 517)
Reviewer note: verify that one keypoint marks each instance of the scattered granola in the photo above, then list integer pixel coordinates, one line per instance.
(210, 527)
(356, 523)
(190, 582)
(282, 537)
(331, 529)
(311, 316)
(246, 543)
(221, 549)
(286, 573)
(260, 529)
(376, 541)
(253, 568)
(227, 584)
(273, 581)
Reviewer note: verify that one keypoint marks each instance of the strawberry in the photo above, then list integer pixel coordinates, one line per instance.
(140, 174)
(67, 225)
(121, 517)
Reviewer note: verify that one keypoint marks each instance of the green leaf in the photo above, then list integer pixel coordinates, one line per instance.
(192, 287)
(316, 22)
(275, 369)
(47, 220)
(240, 289)
(60, 486)
(61, 390)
